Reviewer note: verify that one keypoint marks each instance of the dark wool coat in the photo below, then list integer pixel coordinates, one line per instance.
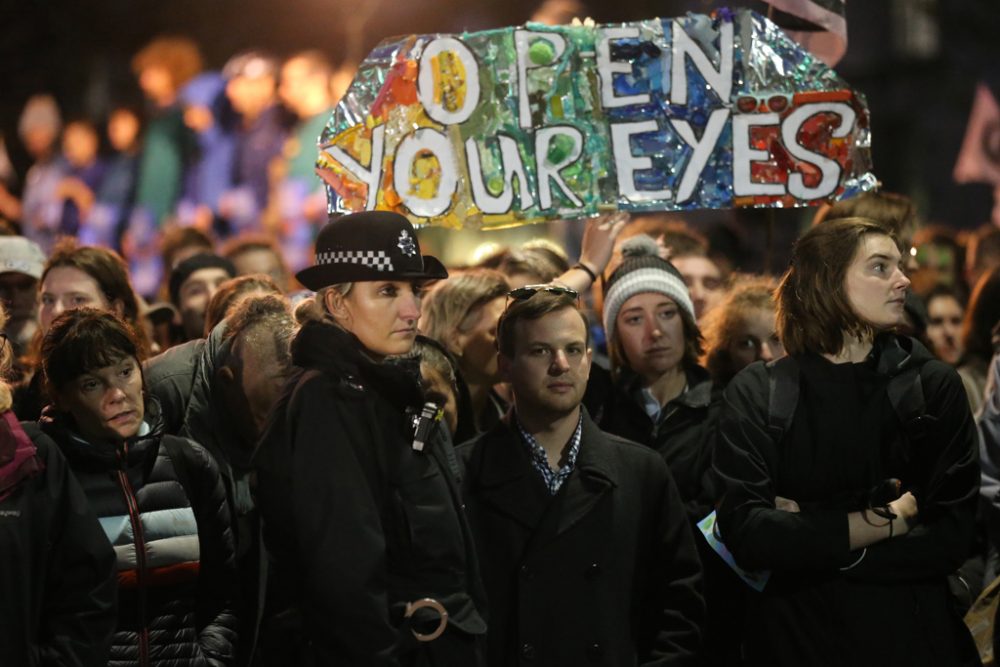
(162, 504)
(603, 573)
(356, 522)
(685, 438)
(825, 605)
(57, 571)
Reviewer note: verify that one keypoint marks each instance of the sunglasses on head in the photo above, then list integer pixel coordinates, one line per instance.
(528, 291)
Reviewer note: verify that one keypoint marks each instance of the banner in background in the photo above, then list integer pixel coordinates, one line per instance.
(535, 123)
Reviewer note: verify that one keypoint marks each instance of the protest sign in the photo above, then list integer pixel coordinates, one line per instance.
(534, 123)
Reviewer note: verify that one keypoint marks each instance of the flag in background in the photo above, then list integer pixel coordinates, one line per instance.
(818, 25)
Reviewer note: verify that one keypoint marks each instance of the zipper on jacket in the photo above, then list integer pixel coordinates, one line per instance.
(138, 540)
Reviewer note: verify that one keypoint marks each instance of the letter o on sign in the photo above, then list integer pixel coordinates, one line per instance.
(425, 81)
(431, 141)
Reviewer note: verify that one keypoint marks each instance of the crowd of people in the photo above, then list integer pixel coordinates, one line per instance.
(226, 442)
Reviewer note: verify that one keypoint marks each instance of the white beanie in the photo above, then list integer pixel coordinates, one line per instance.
(642, 270)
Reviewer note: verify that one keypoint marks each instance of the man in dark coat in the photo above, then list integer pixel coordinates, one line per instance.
(586, 552)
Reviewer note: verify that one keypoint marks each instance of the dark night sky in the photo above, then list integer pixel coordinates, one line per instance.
(80, 50)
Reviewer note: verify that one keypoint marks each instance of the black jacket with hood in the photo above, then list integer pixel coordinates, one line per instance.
(884, 605)
(357, 522)
(162, 504)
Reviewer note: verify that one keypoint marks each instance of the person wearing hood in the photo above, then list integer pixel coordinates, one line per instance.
(849, 468)
(372, 559)
(160, 499)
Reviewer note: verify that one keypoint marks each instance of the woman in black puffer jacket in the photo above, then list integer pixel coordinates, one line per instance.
(159, 498)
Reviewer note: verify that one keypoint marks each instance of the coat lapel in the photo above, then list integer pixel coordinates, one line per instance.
(593, 478)
(507, 481)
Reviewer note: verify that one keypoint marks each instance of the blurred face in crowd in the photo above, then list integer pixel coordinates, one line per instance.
(106, 403)
(123, 130)
(302, 89)
(193, 298)
(439, 390)
(65, 288)
(475, 343)
(551, 364)
(875, 284)
(158, 85)
(755, 339)
(80, 144)
(39, 140)
(19, 293)
(651, 333)
(261, 260)
(944, 327)
(703, 280)
(250, 95)
(383, 314)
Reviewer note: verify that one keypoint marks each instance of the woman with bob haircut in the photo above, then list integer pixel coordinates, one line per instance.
(159, 497)
(741, 330)
(78, 276)
(849, 469)
(372, 559)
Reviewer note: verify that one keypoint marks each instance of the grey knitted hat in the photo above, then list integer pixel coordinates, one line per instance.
(642, 270)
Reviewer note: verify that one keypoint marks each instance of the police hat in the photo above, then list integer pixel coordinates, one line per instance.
(371, 245)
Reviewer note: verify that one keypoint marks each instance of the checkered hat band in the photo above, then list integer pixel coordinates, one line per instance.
(376, 259)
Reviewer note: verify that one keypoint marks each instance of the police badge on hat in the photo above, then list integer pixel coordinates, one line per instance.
(407, 245)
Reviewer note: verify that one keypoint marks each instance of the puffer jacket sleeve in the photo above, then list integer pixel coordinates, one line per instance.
(217, 581)
(79, 610)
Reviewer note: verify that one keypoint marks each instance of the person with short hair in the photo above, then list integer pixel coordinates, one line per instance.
(372, 559)
(193, 282)
(586, 551)
(160, 499)
(232, 292)
(257, 253)
(850, 469)
(945, 315)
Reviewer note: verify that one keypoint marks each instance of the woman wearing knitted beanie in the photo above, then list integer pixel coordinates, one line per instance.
(657, 394)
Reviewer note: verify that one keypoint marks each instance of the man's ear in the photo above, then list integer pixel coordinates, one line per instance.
(590, 361)
(504, 366)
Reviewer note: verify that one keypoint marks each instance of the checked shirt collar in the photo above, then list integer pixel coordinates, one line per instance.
(553, 479)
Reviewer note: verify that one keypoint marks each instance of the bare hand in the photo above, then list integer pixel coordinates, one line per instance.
(906, 511)
(786, 504)
(599, 239)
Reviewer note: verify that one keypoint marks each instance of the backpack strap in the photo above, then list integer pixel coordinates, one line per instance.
(783, 395)
(906, 394)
